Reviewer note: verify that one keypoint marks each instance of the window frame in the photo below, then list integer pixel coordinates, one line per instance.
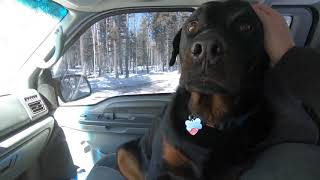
(91, 20)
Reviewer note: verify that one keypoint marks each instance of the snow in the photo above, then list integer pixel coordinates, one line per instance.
(142, 83)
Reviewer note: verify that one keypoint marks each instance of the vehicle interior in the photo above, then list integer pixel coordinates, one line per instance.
(65, 116)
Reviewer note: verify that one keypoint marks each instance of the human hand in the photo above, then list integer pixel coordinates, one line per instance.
(277, 37)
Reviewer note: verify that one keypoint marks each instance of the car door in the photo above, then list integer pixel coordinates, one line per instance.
(32, 146)
(30, 140)
(125, 58)
(19, 135)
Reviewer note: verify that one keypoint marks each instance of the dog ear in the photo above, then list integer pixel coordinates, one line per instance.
(175, 51)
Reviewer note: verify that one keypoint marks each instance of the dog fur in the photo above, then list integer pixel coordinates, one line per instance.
(222, 72)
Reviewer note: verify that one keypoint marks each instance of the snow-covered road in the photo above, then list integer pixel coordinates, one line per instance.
(109, 86)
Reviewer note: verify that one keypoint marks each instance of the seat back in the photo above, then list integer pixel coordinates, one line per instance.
(288, 161)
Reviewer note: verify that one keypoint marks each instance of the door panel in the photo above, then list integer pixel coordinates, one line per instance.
(24, 131)
(98, 130)
(19, 160)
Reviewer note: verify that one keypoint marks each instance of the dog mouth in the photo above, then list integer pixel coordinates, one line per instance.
(206, 86)
(211, 108)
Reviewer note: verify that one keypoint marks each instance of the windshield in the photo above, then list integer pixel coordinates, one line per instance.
(25, 24)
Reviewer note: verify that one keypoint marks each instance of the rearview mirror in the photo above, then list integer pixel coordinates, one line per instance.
(73, 87)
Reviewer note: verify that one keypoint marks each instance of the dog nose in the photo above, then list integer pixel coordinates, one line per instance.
(196, 49)
(215, 49)
(211, 50)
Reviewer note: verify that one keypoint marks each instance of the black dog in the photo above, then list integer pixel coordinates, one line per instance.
(221, 91)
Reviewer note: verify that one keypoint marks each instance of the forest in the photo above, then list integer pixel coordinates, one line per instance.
(126, 44)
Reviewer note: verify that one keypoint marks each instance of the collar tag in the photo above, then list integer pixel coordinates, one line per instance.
(193, 125)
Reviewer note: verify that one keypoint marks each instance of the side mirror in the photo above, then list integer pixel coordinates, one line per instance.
(73, 87)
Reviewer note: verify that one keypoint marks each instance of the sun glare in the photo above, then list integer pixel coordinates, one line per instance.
(23, 29)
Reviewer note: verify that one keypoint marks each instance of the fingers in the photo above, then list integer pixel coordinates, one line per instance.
(258, 8)
(261, 13)
(268, 16)
(276, 32)
(264, 8)
(265, 12)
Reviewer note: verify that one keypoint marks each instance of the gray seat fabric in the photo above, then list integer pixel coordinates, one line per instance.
(288, 161)
(104, 173)
(109, 160)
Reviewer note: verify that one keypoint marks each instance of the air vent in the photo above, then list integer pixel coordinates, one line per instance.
(35, 104)
(36, 107)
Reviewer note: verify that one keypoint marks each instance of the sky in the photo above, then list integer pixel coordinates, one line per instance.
(138, 17)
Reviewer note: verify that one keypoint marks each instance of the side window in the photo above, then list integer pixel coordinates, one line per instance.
(126, 54)
(288, 20)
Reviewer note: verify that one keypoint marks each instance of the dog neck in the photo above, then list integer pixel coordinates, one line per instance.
(225, 145)
(237, 122)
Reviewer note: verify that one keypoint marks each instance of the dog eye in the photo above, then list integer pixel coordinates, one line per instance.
(193, 27)
(245, 28)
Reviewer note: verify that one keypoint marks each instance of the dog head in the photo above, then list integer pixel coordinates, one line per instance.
(222, 58)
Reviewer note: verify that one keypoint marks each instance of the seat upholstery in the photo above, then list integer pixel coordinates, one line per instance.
(109, 160)
(288, 161)
(104, 173)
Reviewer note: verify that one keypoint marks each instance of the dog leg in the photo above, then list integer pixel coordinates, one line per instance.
(128, 161)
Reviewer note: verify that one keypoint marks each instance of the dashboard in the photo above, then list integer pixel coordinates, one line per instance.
(24, 130)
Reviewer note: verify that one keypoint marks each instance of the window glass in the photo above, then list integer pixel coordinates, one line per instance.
(126, 54)
(288, 20)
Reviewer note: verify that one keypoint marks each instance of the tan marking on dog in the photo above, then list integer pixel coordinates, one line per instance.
(213, 108)
(219, 105)
(129, 166)
(194, 100)
(173, 156)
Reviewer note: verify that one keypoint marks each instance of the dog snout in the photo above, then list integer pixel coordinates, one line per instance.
(208, 50)
(197, 49)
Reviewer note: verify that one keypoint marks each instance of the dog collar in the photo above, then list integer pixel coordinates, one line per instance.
(194, 123)
(234, 122)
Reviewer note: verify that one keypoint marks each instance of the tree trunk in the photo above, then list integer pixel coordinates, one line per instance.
(120, 55)
(145, 55)
(101, 47)
(126, 51)
(167, 53)
(149, 58)
(162, 56)
(108, 56)
(126, 59)
(136, 46)
(115, 62)
(94, 34)
(82, 55)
